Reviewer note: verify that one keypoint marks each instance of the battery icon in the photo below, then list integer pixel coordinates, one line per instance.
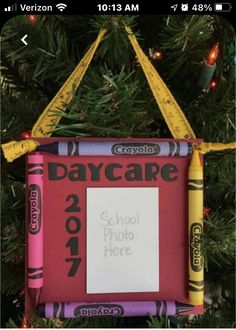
(223, 7)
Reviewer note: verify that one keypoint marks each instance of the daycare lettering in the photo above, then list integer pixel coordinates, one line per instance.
(112, 172)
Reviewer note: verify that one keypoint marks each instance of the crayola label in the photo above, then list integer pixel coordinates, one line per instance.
(99, 310)
(135, 149)
(195, 246)
(34, 209)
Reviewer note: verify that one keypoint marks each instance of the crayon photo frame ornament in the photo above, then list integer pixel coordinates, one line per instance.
(110, 223)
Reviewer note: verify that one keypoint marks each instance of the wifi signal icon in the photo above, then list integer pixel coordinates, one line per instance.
(61, 6)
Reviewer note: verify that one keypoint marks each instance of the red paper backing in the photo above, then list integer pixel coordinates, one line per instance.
(173, 230)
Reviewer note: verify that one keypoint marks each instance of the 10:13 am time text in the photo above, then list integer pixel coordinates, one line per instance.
(118, 7)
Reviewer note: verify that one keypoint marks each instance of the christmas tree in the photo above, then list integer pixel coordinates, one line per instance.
(114, 100)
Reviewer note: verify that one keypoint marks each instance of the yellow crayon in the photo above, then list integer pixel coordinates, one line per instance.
(195, 230)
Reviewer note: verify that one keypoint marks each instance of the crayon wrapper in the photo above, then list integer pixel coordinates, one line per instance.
(124, 148)
(116, 309)
(196, 263)
(35, 221)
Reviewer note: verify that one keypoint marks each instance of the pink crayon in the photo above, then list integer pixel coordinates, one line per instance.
(35, 226)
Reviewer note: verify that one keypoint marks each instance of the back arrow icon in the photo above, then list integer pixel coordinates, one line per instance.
(23, 39)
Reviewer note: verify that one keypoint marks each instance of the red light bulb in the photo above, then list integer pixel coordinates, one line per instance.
(213, 84)
(158, 55)
(24, 323)
(32, 18)
(25, 135)
(155, 54)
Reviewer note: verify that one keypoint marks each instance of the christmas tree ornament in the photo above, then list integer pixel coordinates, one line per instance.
(25, 135)
(119, 230)
(208, 68)
(113, 199)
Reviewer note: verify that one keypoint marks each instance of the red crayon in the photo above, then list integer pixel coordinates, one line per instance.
(35, 226)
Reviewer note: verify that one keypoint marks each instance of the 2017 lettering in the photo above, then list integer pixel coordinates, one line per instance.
(73, 226)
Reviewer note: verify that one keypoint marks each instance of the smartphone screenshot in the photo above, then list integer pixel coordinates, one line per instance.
(117, 164)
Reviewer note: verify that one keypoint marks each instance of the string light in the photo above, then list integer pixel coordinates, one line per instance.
(24, 323)
(208, 68)
(213, 84)
(25, 135)
(155, 54)
(32, 18)
(158, 55)
(212, 57)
